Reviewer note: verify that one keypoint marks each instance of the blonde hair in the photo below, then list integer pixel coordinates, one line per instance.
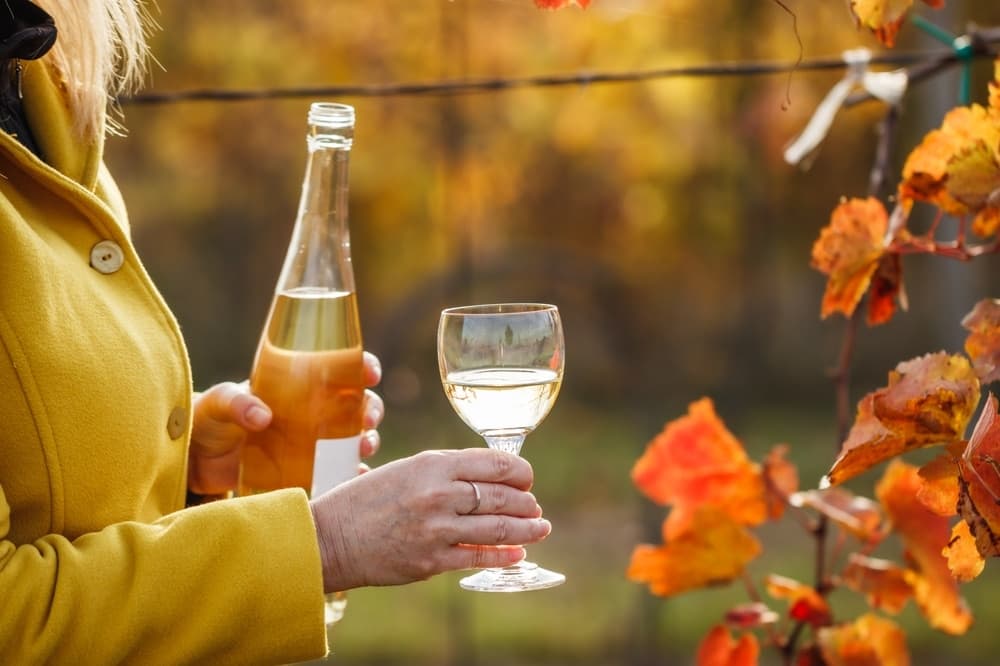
(101, 53)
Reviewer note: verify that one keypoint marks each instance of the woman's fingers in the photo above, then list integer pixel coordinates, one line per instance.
(483, 464)
(483, 498)
(373, 369)
(374, 409)
(464, 556)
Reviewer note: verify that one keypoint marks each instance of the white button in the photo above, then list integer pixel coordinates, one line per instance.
(106, 257)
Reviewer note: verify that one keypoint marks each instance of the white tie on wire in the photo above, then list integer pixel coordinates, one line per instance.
(886, 86)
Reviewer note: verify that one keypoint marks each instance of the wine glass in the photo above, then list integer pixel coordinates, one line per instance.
(501, 367)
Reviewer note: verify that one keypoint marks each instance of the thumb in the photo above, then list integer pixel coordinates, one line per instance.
(232, 403)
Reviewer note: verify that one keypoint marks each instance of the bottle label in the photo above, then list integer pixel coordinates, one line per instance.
(336, 461)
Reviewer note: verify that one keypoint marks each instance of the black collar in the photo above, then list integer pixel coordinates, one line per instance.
(27, 32)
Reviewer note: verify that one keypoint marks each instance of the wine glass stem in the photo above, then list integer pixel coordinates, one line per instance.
(508, 443)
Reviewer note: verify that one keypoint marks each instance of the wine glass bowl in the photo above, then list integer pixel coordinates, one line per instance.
(501, 367)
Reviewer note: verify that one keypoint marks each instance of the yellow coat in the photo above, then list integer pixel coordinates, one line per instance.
(98, 564)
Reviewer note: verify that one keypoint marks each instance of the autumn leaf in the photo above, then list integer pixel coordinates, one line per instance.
(886, 290)
(868, 641)
(714, 550)
(925, 535)
(781, 480)
(939, 481)
(884, 17)
(928, 401)
(885, 584)
(979, 481)
(858, 515)
(962, 553)
(805, 604)
(695, 461)
(849, 251)
(983, 343)
(719, 648)
(957, 167)
(559, 4)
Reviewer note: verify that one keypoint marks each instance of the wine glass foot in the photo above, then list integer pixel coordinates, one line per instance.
(520, 577)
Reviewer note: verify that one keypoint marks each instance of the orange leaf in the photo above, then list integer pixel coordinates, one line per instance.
(719, 649)
(885, 584)
(781, 480)
(848, 251)
(715, 550)
(929, 401)
(994, 87)
(868, 641)
(939, 481)
(805, 604)
(924, 535)
(886, 289)
(983, 343)
(964, 560)
(858, 515)
(957, 167)
(559, 4)
(696, 461)
(882, 17)
(979, 482)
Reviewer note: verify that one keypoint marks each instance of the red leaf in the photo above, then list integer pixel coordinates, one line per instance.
(805, 604)
(979, 483)
(886, 290)
(719, 649)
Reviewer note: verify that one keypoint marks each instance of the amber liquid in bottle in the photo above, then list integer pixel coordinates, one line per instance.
(309, 370)
(309, 367)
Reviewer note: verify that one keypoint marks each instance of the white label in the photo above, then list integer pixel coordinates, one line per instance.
(336, 461)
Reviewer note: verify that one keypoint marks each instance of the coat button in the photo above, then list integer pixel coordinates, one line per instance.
(106, 257)
(177, 423)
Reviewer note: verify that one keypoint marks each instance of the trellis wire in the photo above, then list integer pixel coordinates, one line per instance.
(983, 46)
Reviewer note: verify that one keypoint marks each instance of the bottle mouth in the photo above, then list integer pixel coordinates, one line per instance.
(331, 115)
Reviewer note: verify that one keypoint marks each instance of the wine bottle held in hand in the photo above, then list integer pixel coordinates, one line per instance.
(308, 367)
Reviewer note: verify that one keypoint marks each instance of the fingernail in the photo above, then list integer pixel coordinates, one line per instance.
(257, 416)
(373, 416)
(546, 526)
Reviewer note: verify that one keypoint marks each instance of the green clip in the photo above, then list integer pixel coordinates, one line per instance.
(964, 51)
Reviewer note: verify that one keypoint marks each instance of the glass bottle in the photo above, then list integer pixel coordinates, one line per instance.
(308, 366)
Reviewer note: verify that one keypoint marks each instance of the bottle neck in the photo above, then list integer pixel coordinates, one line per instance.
(319, 255)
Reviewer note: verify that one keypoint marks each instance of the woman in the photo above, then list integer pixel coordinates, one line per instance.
(101, 437)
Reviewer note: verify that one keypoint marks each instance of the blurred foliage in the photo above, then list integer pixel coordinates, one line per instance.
(659, 216)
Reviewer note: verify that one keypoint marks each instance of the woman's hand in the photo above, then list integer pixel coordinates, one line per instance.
(226, 412)
(417, 516)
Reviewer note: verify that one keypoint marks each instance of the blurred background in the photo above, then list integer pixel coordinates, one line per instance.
(658, 215)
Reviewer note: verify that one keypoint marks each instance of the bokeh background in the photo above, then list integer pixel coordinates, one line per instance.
(658, 215)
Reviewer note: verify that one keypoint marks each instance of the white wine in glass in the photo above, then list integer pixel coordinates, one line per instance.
(501, 367)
